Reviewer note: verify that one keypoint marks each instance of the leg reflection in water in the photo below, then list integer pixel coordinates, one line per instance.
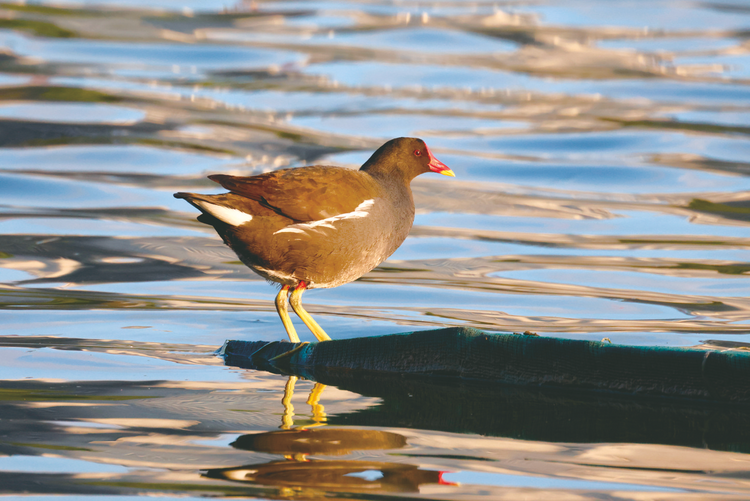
(318, 411)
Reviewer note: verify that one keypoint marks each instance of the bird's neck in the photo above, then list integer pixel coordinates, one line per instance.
(394, 187)
(390, 173)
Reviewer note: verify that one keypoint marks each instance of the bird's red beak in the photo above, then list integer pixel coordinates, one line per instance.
(438, 166)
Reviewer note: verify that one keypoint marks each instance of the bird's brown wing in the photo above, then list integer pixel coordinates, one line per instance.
(304, 194)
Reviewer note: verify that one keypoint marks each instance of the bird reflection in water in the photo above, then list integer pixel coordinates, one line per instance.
(298, 475)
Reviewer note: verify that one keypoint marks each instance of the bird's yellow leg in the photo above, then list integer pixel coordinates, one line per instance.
(318, 411)
(281, 308)
(296, 300)
(287, 419)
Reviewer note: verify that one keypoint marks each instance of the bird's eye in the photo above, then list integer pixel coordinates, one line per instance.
(417, 153)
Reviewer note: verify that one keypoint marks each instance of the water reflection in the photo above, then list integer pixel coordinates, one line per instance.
(307, 475)
(301, 442)
(602, 152)
(162, 437)
(300, 472)
(705, 295)
(333, 476)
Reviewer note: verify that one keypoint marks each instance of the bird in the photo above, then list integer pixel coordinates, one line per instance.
(319, 226)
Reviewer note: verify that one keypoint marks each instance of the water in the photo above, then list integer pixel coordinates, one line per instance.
(602, 191)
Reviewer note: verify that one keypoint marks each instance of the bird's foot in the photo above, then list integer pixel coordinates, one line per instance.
(289, 353)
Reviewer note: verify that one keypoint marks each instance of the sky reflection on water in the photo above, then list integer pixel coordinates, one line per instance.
(601, 153)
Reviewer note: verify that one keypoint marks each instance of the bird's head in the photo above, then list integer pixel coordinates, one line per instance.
(408, 156)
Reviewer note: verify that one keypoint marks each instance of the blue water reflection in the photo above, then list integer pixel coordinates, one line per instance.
(602, 190)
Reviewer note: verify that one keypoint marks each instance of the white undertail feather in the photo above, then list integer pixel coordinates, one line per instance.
(276, 276)
(232, 217)
(362, 210)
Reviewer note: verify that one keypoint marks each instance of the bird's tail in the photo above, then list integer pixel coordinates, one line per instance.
(216, 207)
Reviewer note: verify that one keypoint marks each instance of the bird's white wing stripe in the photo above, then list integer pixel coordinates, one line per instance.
(362, 210)
(233, 217)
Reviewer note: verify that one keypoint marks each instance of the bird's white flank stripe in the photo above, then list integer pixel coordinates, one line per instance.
(362, 210)
(232, 217)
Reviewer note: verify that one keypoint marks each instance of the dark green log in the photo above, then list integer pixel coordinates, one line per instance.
(468, 354)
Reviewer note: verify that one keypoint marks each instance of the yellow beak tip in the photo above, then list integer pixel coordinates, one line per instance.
(448, 172)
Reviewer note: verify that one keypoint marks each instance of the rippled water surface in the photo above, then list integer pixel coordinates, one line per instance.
(602, 160)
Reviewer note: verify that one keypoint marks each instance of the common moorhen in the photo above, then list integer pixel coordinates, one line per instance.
(319, 226)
